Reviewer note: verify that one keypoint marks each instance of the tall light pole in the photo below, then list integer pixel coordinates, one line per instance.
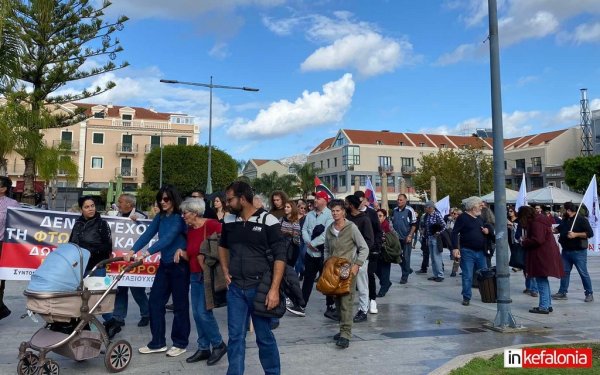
(161, 159)
(211, 86)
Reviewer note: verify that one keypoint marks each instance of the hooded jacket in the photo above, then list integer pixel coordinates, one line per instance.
(349, 243)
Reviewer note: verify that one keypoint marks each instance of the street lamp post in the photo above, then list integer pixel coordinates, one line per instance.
(211, 86)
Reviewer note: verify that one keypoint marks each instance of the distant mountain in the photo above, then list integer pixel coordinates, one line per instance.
(298, 159)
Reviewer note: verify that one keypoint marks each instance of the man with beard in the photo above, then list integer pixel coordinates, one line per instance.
(247, 238)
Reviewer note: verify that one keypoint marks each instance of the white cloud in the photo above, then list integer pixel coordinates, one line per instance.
(310, 110)
(461, 53)
(219, 51)
(142, 88)
(348, 44)
(369, 54)
(584, 33)
(521, 20)
(527, 80)
(176, 9)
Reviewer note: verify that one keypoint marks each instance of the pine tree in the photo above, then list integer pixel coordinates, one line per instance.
(55, 39)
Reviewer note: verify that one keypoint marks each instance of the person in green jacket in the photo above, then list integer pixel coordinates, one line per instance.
(344, 240)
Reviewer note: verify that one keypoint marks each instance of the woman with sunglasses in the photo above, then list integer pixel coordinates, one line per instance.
(172, 276)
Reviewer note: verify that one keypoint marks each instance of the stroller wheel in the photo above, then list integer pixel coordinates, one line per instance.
(118, 355)
(28, 365)
(49, 368)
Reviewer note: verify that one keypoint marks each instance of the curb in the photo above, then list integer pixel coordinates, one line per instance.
(462, 360)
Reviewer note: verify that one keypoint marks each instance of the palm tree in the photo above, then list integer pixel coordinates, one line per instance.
(306, 175)
(267, 183)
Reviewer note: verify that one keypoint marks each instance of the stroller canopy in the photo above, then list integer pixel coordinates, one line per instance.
(61, 270)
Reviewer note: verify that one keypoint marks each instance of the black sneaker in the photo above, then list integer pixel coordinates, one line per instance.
(360, 316)
(144, 321)
(421, 271)
(296, 310)
(336, 337)
(403, 281)
(332, 313)
(4, 312)
(112, 330)
(343, 343)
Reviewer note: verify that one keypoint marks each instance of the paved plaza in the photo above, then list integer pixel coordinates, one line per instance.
(420, 327)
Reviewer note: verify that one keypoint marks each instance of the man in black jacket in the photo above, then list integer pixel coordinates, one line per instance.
(374, 250)
(574, 241)
(362, 221)
(246, 237)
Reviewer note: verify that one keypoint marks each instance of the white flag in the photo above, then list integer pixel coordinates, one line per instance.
(443, 205)
(590, 199)
(522, 197)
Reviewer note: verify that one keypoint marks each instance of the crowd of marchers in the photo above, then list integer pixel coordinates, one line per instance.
(259, 256)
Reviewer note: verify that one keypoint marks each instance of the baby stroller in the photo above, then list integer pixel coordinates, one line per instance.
(67, 302)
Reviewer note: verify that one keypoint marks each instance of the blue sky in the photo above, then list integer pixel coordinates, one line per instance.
(414, 66)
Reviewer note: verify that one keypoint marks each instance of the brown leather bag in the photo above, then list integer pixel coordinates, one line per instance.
(336, 277)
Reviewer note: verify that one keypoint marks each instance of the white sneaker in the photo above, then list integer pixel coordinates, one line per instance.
(147, 350)
(373, 307)
(175, 351)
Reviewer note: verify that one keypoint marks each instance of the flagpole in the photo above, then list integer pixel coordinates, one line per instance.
(580, 204)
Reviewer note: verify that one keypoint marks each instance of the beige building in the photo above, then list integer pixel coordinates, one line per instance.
(355, 154)
(113, 141)
(256, 167)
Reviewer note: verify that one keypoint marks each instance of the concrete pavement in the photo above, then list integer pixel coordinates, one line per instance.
(420, 327)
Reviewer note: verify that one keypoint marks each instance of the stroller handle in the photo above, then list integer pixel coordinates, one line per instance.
(104, 262)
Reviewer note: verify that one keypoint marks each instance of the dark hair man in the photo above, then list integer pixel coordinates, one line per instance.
(374, 251)
(574, 233)
(362, 221)
(247, 236)
(404, 221)
(5, 203)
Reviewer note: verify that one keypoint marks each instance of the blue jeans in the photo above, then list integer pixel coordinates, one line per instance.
(544, 290)
(171, 279)
(206, 324)
(470, 259)
(122, 302)
(577, 258)
(437, 261)
(406, 251)
(240, 308)
(299, 267)
(531, 284)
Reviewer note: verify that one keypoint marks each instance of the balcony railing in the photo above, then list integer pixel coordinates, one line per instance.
(149, 148)
(517, 171)
(387, 169)
(127, 148)
(142, 124)
(126, 172)
(536, 169)
(408, 169)
(72, 146)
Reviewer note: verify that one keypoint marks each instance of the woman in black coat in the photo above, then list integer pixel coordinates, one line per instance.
(91, 232)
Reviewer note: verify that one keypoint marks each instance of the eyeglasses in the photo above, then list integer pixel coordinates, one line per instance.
(165, 199)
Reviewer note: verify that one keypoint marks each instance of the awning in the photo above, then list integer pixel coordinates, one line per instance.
(38, 186)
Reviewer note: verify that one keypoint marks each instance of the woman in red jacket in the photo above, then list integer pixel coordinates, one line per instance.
(543, 257)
